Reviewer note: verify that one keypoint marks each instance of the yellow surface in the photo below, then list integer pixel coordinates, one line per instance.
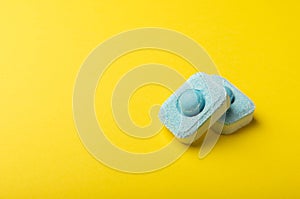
(43, 43)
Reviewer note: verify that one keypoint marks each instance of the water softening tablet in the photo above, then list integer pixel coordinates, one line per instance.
(199, 102)
(241, 109)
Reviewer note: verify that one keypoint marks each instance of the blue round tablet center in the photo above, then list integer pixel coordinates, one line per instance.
(230, 94)
(191, 102)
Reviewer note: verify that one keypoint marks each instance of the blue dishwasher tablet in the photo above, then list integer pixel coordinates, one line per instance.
(241, 109)
(194, 107)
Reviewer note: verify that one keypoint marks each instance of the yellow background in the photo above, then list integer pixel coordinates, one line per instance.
(43, 43)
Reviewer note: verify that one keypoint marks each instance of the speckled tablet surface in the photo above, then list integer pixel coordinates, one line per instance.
(197, 104)
(241, 109)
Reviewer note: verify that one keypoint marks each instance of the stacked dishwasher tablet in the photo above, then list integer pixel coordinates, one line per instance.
(240, 112)
(200, 102)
